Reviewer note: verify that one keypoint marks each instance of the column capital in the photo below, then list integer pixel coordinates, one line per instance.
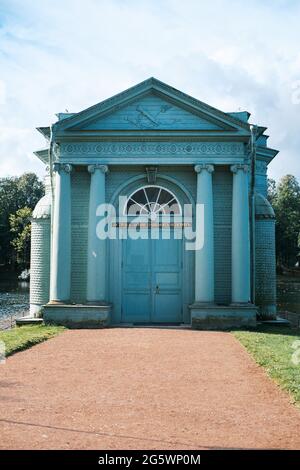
(59, 167)
(93, 168)
(239, 166)
(204, 166)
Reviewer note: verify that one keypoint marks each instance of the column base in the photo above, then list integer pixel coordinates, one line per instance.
(241, 304)
(96, 303)
(78, 315)
(208, 316)
(267, 311)
(35, 310)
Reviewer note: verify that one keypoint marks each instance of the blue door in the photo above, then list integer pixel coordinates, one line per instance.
(152, 281)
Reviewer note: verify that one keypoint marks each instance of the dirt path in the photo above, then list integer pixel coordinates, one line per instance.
(142, 389)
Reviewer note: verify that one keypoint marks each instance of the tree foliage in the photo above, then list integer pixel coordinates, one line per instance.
(20, 227)
(16, 193)
(285, 199)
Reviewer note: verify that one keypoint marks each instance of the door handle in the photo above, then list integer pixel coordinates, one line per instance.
(156, 290)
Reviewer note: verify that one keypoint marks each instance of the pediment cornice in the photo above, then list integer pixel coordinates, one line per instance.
(225, 121)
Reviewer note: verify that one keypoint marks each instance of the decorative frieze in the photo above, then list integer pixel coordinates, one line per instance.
(152, 148)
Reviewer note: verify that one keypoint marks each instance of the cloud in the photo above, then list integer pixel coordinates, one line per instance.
(69, 54)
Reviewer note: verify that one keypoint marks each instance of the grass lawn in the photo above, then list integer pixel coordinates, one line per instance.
(23, 337)
(272, 349)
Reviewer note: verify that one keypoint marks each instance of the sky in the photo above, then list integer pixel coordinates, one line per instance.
(58, 55)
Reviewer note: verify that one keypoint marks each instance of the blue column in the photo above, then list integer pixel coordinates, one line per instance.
(96, 267)
(240, 235)
(204, 257)
(60, 283)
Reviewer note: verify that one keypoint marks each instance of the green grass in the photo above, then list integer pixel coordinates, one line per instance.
(272, 349)
(23, 337)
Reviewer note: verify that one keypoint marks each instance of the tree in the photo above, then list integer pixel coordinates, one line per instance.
(15, 193)
(20, 227)
(30, 190)
(286, 202)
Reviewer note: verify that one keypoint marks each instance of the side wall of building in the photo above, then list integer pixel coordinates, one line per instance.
(80, 187)
(39, 264)
(222, 194)
(265, 255)
(265, 292)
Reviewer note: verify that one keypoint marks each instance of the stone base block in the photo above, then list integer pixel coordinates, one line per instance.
(267, 312)
(216, 317)
(29, 321)
(36, 310)
(77, 316)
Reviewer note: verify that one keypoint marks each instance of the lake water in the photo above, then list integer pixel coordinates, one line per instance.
(14, 301)
(14, 298)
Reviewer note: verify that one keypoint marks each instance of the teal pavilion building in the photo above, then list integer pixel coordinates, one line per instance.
(151, 152)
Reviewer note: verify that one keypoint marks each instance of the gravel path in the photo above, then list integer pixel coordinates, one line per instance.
(142, 388)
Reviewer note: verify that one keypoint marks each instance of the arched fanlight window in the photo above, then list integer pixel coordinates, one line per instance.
(152, 201)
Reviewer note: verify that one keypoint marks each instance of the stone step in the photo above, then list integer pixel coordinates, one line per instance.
(278, 322)
(29, 321)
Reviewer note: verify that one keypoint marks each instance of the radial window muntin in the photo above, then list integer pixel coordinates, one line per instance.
(152, 201)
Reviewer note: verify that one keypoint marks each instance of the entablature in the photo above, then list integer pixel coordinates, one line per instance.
(152, 152)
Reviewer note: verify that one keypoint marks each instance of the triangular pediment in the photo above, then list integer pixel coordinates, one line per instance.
(151, 106)
(151, 112)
